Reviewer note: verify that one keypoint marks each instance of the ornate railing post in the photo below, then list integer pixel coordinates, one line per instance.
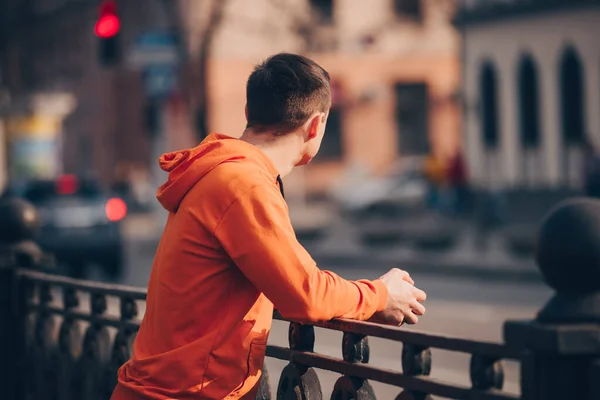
(123, 341)
(562, 344)
(298, 381)
(96, 353)
(416, 361)
(69, 349)
(355, 349)
(18, 227)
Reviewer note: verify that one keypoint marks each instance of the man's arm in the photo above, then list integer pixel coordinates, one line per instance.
(257, 234)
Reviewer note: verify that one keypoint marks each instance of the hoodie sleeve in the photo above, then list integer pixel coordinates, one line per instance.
(257, 234)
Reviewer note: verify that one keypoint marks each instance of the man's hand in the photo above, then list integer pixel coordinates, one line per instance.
(404, 300)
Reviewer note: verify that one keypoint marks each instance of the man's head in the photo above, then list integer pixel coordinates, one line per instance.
(289, 94)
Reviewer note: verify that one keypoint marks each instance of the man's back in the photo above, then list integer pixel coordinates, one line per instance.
(201, 313)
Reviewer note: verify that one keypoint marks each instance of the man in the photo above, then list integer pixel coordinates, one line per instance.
(228, 253)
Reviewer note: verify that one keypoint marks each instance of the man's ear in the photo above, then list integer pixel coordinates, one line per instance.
(246, 112)
(313, 128)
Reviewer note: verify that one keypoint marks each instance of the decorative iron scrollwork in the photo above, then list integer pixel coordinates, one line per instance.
(123, 342)
(355, 348)
(264, 387)
(29, 361)
(69, 348)
(416, 360)
(301, 337)
(348, 388)
(486, 372)
(408, 395)
(96, 354)
(129, 308)
(299, 383)
(44, 346)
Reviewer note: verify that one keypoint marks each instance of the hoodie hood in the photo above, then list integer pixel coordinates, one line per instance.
(187, 167)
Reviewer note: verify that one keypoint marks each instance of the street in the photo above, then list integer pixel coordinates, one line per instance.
(460, 307)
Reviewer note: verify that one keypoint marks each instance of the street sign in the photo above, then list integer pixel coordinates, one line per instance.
(154, 48)
(156, 54)
(159, 80)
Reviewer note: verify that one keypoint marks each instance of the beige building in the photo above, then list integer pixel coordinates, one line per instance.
(531, 89)
(394, 65)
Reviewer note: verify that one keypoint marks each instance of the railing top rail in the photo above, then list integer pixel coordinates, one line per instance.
(90, 286)
(345, 325)
(398, 334)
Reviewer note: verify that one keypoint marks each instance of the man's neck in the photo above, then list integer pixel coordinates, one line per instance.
(282, 151)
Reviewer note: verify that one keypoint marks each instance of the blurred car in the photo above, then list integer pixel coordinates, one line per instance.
(403, 186)
(80, 223)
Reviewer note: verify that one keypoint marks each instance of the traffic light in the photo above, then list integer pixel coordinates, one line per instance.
(107, 30)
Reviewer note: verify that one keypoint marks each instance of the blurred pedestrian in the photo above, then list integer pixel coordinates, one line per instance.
(458, 180)
(228, 254)
(436, 173)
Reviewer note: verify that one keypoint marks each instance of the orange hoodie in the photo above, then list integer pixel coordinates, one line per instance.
(228, 253)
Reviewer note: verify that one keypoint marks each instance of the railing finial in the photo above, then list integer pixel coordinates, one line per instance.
(560, 345)
(19, 221)
(568, 255)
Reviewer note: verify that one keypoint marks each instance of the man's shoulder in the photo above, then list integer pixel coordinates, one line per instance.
(231, 180)
(241, 176)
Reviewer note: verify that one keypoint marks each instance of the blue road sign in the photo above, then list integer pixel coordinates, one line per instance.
(159, 80)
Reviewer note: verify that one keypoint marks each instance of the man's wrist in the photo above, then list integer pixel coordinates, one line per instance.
(382, 294)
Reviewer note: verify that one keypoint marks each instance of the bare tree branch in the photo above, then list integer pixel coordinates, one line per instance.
(216, 15)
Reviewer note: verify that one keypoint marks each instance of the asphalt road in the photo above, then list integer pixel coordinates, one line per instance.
(473, 309)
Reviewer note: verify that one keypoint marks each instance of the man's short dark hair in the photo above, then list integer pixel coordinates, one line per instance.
(283, 91)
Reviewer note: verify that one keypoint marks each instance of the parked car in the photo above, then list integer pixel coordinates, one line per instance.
(80, 223)
(404, 186)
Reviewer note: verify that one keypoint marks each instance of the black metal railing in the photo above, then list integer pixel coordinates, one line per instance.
(78, 333)
(63, 338)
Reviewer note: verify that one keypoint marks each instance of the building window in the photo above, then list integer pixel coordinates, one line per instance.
(412, 116)
(572, 105)
(331, 146)
(324, 9)
(488, 89)
(488, 92)
(529, 120)
(408, 9)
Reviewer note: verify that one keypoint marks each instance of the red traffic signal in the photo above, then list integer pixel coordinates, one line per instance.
(108, 23)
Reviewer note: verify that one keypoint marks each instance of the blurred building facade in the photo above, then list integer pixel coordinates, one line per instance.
(531, 86)
(394, 64)
(48, 48)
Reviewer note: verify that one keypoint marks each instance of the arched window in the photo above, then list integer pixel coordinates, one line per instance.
(529, 103)
(572, 107)
(488, 90)
(488, 95)
(571, 97)
(324, 9)
(529, 119)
